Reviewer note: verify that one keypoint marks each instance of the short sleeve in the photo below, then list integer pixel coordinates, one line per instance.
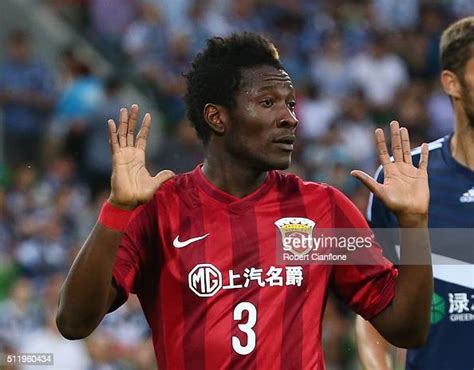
(134, 251)
(367, 289)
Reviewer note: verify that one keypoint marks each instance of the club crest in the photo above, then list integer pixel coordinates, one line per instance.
(296, 234)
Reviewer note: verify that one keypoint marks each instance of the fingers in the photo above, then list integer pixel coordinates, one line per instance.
(424, 157)
(396, 141)
(406, 145)
(381, 146)
(124, 135)
(367, 180)
(126, 129)
(113, 140)
(123, 127)
(142, 136)
(131, 124)
(401, 149)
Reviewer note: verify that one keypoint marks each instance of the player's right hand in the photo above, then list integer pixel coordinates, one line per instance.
(131, 183)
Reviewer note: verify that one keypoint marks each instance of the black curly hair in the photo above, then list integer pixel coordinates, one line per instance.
(216, 73)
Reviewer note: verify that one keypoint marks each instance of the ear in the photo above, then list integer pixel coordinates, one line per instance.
(451, 84)
(216, 117)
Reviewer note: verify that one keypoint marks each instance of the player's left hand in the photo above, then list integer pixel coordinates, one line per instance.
(405, 189)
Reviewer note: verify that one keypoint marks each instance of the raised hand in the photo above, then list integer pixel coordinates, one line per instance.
(131, 183)
(405, 189)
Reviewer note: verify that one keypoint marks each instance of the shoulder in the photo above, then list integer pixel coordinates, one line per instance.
(375, 209)
(313, 192)
(165, 198)
(296, 183)
(179, 183)
(435, 149)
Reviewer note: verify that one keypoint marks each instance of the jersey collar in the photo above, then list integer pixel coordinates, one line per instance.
(448, 157)
(221, 196)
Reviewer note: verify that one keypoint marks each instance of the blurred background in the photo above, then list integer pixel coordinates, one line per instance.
(66, 66)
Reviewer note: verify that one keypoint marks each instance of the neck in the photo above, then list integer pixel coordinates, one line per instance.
(231, 174)
(462, 143)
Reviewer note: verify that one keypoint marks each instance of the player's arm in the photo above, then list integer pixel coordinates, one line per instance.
(405, 192)
(88, 292)
(372, 347)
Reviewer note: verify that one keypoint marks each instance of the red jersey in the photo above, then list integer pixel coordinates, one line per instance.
(203, 264)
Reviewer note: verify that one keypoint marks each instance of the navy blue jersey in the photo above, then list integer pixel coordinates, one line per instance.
(450, 341)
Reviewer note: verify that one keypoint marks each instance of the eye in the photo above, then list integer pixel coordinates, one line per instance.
(267, 103)
(292, 105)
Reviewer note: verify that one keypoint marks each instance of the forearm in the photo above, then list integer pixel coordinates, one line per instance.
(403, 323)
(372, 347)
(88, 291)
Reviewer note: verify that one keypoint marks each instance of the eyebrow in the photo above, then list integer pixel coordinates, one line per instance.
(288, 86)
(277, 77)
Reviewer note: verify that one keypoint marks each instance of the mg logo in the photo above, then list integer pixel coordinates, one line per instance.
(205, 280)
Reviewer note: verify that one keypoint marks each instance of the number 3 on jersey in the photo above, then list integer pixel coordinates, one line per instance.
(247, 328)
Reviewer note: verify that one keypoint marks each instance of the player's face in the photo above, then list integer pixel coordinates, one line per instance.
(263, 123)
(467, 92)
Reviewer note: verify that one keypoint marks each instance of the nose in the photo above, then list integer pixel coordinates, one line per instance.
(288, 118)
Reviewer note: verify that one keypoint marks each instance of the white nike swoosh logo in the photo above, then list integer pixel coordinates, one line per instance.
(178, 244)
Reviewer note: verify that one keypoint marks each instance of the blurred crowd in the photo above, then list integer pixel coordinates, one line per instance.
(355, 64)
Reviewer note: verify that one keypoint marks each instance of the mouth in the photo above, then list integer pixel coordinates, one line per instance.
(285, 143)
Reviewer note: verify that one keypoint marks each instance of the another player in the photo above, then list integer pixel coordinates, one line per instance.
(451, 179)
(199, 249)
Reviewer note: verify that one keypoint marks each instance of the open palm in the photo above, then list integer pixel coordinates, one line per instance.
(131, 183)
(405, 188)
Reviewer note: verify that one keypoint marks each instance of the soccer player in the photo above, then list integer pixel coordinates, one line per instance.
(451, 179)
(199, 249)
